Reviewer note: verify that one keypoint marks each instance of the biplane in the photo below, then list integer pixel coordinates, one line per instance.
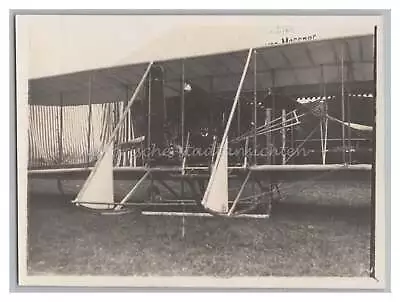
(251, 117)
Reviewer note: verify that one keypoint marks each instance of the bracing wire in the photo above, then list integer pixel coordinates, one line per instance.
(293, 121)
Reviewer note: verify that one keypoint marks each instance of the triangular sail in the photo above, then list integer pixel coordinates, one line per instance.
(216, 196)
(98, 191)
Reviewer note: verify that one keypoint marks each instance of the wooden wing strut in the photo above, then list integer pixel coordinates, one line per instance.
(216, 195)
(99, 186)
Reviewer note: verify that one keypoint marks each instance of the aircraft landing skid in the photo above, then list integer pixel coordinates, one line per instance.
(184, 198)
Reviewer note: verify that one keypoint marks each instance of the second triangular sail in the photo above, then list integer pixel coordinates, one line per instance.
(216, 196)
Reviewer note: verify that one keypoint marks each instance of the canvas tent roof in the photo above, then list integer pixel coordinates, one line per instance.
(63, 44)
(292, 65)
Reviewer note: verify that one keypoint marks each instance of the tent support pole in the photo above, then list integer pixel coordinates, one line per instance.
(89, 119)
(238, 119)
(255, 104)
(268, 117)
(348, 128)
(343, 107)
(270, 149)
(253, 188)
(272, 90)
(283, 136)
(149, 112)
(182, 106)
(184, 151)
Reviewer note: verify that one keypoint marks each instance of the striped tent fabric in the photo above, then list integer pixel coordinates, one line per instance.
(44, 128)
(59, 136)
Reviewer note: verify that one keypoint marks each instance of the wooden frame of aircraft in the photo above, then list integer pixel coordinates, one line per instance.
(254, 78)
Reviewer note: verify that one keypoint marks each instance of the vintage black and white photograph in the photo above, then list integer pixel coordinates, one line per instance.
(222, 147)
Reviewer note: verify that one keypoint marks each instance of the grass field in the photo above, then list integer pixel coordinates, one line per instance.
(322, 230)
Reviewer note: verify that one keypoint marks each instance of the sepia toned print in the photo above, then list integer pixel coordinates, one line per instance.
(207, 149)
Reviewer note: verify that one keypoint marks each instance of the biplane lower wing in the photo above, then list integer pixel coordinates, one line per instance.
(128, 172)
(97, 194)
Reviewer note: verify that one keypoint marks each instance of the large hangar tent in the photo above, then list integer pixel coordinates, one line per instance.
(235, 63)
(299, 62)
